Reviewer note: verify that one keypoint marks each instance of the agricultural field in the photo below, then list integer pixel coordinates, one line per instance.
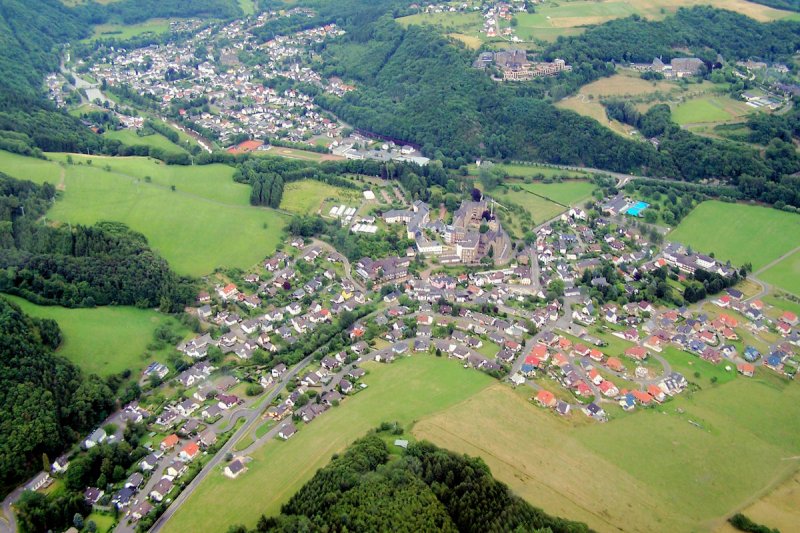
(587, 107)
(105, 340)
(666, 474)
(404, 391)
(465, 23)
(698, 105)
(777, 508)
(566, 193)
(156, 140)
(553, 19)
(225, 230)
(307, 196)
(739, 232)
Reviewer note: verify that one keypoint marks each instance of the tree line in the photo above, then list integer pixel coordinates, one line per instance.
(46, 403)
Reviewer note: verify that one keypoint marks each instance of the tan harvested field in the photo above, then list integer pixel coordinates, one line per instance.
(652, 8)
(650, 470)
(626, 83)
(777, 509)
(470, 40)
(531, 451)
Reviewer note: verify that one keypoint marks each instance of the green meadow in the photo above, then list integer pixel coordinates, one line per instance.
(739, 232)
(785, 274)
(709, 109)
(403, 391)
(567, 192)
(105, 340)
(156, 140)
(306, 196)
(206, 222)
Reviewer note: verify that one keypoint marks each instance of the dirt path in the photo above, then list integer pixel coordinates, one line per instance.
(62, 186)
(776, 261)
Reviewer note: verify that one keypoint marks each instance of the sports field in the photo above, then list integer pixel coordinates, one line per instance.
(404, 391)
(651, 470)
(532, 170)
(566, 192)
(306, 196)
(205, 223)
(741, 233)
(105, 340)
(707, 109)
(294, 153)
(156, 140)
(786, 273)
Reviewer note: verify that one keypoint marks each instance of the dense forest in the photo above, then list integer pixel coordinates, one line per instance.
(767, 176)
(134, 11)
(78, 266)
(417, 86)
(425, 489)
(45, 401)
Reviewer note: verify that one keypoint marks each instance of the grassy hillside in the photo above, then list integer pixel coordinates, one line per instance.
(156, 140)
(205, 223)
(104, 340)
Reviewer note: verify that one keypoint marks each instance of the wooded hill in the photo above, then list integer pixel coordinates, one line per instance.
(425, 489)
(78, 266)
(46, 403)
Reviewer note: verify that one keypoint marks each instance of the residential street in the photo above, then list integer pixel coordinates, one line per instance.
(250, 420)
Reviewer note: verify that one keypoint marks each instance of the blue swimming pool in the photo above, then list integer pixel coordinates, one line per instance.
(637, 208)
